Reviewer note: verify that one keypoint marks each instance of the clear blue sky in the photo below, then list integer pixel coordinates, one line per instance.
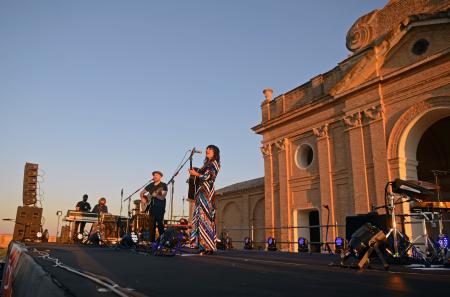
(101, 93)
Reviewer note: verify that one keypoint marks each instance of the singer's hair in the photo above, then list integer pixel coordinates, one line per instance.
(101, 199)
(216, 154)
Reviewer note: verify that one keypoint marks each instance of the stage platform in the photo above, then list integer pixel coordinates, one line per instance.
(226, 273)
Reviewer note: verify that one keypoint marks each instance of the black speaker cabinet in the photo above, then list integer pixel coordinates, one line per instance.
(29, 215)
(25, 232)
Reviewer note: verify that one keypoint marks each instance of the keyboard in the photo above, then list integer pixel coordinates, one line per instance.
(79, 216)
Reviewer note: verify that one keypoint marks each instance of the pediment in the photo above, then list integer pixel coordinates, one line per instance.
(416, 44)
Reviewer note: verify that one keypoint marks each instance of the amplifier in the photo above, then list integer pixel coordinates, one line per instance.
(353, 223)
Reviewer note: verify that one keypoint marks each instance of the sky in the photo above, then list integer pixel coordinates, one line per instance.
(101, 93)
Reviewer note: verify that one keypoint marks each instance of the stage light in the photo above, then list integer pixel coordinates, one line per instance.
(442, 241)
(302, 245)
(363, 242)
(80, 236)
(339, 244)
(248, 243)
(134, 237)
(271, 244)
(39, 235)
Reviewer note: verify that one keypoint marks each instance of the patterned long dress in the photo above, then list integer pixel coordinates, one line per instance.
(204, 233)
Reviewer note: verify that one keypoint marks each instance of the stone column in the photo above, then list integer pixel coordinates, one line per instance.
(358, 159)
(326, 181)
(269, 216)
(379, 151)
(285, 208)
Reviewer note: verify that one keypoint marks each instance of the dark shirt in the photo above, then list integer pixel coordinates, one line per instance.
(152, 188)
(84, 206)
(100, 209)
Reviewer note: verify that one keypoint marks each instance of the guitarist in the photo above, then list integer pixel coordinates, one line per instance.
(157, 191)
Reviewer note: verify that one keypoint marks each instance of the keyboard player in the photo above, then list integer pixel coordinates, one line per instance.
(101, 206)
(82, 206)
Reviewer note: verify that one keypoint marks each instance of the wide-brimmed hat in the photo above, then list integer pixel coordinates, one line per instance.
(157, 171)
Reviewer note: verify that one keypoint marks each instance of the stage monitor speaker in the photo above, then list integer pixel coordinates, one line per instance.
(30, 183)
(353, 223)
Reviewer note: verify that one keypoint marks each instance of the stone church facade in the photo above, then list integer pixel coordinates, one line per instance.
(382, 113)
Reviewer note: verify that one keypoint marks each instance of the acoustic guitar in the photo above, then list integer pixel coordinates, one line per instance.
(193, 181)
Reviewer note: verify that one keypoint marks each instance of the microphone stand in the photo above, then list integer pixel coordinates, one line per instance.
(172, 181)
(119, 219)
(129, 201)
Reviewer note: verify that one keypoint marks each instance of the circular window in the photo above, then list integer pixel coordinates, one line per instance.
(304, 156)
(420, 47)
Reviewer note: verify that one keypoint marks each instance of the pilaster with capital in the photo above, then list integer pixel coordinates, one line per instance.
(269, 219)
(374, 117)
(358, 162)
(326, 178)
(285, 210)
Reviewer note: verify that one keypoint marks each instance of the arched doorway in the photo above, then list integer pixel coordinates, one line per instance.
(413, 142)
(433, 156)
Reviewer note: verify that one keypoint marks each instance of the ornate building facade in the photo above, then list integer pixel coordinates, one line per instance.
(240, 212)
(382, 113)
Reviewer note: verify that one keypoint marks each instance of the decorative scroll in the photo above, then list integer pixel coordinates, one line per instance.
(266, 150)
(321, 131)
(353, 120)
(377, 23)
(374, 113)
(281, 144)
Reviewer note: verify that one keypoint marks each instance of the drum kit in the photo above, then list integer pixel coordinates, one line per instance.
(140, 220)
(428, 212)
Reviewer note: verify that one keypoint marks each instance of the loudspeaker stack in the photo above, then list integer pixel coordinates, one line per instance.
(28, 217)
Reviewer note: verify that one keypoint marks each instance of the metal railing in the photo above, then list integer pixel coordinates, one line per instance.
(323, 245)
(318, 244)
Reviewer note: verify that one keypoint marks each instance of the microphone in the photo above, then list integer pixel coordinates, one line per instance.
(196, 151)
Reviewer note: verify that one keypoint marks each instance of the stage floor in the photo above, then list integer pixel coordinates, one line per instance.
(231, 273)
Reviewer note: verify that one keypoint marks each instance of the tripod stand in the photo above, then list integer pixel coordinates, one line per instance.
(393, 231)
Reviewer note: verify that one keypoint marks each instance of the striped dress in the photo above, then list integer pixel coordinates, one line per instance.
(204, 233)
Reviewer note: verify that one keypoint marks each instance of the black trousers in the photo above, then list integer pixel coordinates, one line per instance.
(156, 217)
(82, 225)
